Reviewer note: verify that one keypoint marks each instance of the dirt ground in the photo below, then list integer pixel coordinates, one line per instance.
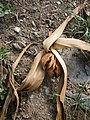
(36, 18)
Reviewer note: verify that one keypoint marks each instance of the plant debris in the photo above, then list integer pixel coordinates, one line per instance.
(46, 60)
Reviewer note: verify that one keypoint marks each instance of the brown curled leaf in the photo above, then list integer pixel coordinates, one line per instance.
(50, 72)
(71, 43)
(51, 64)
(35, 76)
(48, 42)
(61, 87)
(37, 73)
(12, 89)
(58, 69)
(46, 59)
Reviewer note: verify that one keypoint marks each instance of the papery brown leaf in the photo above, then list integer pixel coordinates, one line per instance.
(35, 76)
(31, 82)
(20, 56)
(52, 62)
(50, 72)
(71, 43)
(5, 107)
(58, 69)
(48, 63)
(51, 65)
(12, 90)
(61, 87)
(46, 59)
(58, 32)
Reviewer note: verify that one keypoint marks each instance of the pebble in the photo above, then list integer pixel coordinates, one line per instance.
(24, 10)
(58, 2)
(33, 23)
(74, 4)
(36, 34)
(53, 80)
(17, 29)
(46, 90)
(34, 8)
(32, 96)
(19, 45)
(21, 20)
(16, 46)
(66, 14)
(33, 29)
(23, 102)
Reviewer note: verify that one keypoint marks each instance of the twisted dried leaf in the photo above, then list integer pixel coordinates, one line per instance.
(61, 87)
(48, 61)
(58, 69)
(12, 89)
(54, 64)
(58, 32)
(71, 43)
(35, 76)
(51, 65)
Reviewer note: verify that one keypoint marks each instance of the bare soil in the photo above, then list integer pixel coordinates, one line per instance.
(36, 18)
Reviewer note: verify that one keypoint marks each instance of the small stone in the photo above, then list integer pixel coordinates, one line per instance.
(24, 19)
(36, 34)
(27, 17)
(32, 37)
(74, 3)
(66, 14)
(23, 103)
(20, 20)
(46, 90)
(32, 96)
(34, 8)
(58, 2)
(17, 29)
(24, 10)
(16, 46)
(33, 24)
(53, 80)
(12, 33)
(33, 29)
